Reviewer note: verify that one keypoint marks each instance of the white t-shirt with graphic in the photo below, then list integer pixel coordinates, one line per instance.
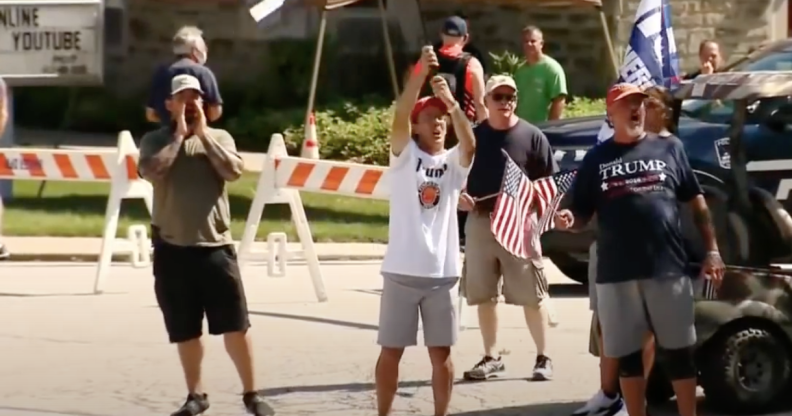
(423, 236)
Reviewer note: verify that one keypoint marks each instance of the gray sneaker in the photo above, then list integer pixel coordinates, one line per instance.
(543, 369)
(487, 368)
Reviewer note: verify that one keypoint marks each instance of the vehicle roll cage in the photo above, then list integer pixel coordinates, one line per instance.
(743, 88)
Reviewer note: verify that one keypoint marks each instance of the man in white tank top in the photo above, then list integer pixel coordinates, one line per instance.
(421, 265)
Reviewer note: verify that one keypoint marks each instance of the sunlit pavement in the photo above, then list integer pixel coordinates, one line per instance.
(66, 352)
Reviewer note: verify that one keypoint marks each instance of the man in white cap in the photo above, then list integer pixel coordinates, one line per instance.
(524, 282)
(196, 272)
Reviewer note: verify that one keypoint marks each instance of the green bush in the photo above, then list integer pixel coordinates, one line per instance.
(355, 132)
(581, 107)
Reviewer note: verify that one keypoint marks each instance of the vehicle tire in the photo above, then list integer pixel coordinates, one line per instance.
(746, 371)
(573, 268)
(658, 387)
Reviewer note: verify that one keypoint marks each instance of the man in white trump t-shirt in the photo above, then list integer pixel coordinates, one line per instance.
(421, 265)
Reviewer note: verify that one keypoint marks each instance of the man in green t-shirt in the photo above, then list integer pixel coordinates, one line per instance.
(541, 82)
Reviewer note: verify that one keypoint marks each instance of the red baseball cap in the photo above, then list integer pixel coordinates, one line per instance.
(620, 91)
(423, 104)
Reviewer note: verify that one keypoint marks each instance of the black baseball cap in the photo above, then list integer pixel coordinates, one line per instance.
(455, 26)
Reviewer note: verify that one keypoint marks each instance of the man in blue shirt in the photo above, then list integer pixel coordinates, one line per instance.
(191, 53)
(634, 183)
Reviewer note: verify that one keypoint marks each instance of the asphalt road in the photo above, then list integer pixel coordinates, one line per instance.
(68, 353)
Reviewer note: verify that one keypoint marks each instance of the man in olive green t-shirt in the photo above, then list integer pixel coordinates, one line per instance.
(541, 82)
(196, 272)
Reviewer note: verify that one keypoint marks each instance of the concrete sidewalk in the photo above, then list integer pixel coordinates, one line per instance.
(87, 249)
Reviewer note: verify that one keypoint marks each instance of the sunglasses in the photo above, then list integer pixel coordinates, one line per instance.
(504, 98)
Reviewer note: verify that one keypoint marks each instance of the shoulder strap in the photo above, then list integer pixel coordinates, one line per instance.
(460, 73)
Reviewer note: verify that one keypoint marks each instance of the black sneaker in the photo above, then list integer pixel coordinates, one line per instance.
(4, 253)
(256, 405)
(487, 368)
(543, 369)
(196, 404)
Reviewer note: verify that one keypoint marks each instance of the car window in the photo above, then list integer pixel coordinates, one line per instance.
(716, 111)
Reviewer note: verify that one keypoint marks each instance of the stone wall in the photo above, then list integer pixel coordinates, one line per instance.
(737, 25)
(574, 36)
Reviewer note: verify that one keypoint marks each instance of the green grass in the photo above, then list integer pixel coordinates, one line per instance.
(73, 209)
(580, 107)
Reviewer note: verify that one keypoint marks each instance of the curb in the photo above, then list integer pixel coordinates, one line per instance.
(120, 258)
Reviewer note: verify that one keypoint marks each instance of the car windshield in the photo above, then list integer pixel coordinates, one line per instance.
(717, 111)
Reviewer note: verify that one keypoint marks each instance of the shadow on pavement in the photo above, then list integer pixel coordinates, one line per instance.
(375, 292)
(18, 411)
(543, 409)
(361, 387)
(569, 290)
(52, 295)
(356, 325)
(562, 290)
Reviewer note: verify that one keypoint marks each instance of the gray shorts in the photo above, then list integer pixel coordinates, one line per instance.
(404, 298)
(628, 310)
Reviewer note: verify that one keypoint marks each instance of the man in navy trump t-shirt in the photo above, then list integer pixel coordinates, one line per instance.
(634, 184)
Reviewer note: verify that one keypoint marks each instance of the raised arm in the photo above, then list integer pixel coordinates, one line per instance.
(158, 150)
(3, 106)
(462, 126)
(478, 87)
(401, 128)
(220, 149)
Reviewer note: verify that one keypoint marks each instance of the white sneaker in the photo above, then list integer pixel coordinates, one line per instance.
(602, 405)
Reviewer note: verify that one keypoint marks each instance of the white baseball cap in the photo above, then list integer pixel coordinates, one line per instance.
(496, 81)
(183, 82)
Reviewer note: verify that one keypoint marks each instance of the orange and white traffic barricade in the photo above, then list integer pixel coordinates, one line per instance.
(281, 181)
(115, 166)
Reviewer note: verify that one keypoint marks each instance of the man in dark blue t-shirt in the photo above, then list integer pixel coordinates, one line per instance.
(191, 53)
(634, 184)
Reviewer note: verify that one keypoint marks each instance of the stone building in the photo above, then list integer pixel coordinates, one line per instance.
(240, 51)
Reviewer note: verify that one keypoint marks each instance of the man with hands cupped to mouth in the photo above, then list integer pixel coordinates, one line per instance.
(196, 272)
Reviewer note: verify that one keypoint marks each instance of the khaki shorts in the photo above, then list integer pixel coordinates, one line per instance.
(524, 282)
(594, 336)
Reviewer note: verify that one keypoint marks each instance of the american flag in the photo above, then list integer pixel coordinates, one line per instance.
(512, 209)
(549, 192)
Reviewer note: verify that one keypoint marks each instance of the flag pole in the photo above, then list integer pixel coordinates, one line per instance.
(389, 49)
(320, 37)
(609, 41)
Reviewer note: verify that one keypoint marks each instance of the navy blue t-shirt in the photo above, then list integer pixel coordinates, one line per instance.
(635, 190)
(161, 85)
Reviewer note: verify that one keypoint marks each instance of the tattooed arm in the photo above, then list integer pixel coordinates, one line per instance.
(690, 192)
(703, 220)
(221, 151)
(158, 150)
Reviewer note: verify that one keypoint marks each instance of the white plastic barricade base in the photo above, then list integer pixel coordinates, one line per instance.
(277, 254)
(125, 184)
(268, 193)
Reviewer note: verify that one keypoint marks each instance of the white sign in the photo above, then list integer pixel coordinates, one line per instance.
(51, 43)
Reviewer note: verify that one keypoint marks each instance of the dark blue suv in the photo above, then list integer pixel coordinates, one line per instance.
(704, 129)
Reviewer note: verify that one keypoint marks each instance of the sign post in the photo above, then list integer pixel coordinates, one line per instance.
(48, 43)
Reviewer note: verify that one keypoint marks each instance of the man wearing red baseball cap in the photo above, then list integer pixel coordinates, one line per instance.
(634, 184)
(421, 265)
